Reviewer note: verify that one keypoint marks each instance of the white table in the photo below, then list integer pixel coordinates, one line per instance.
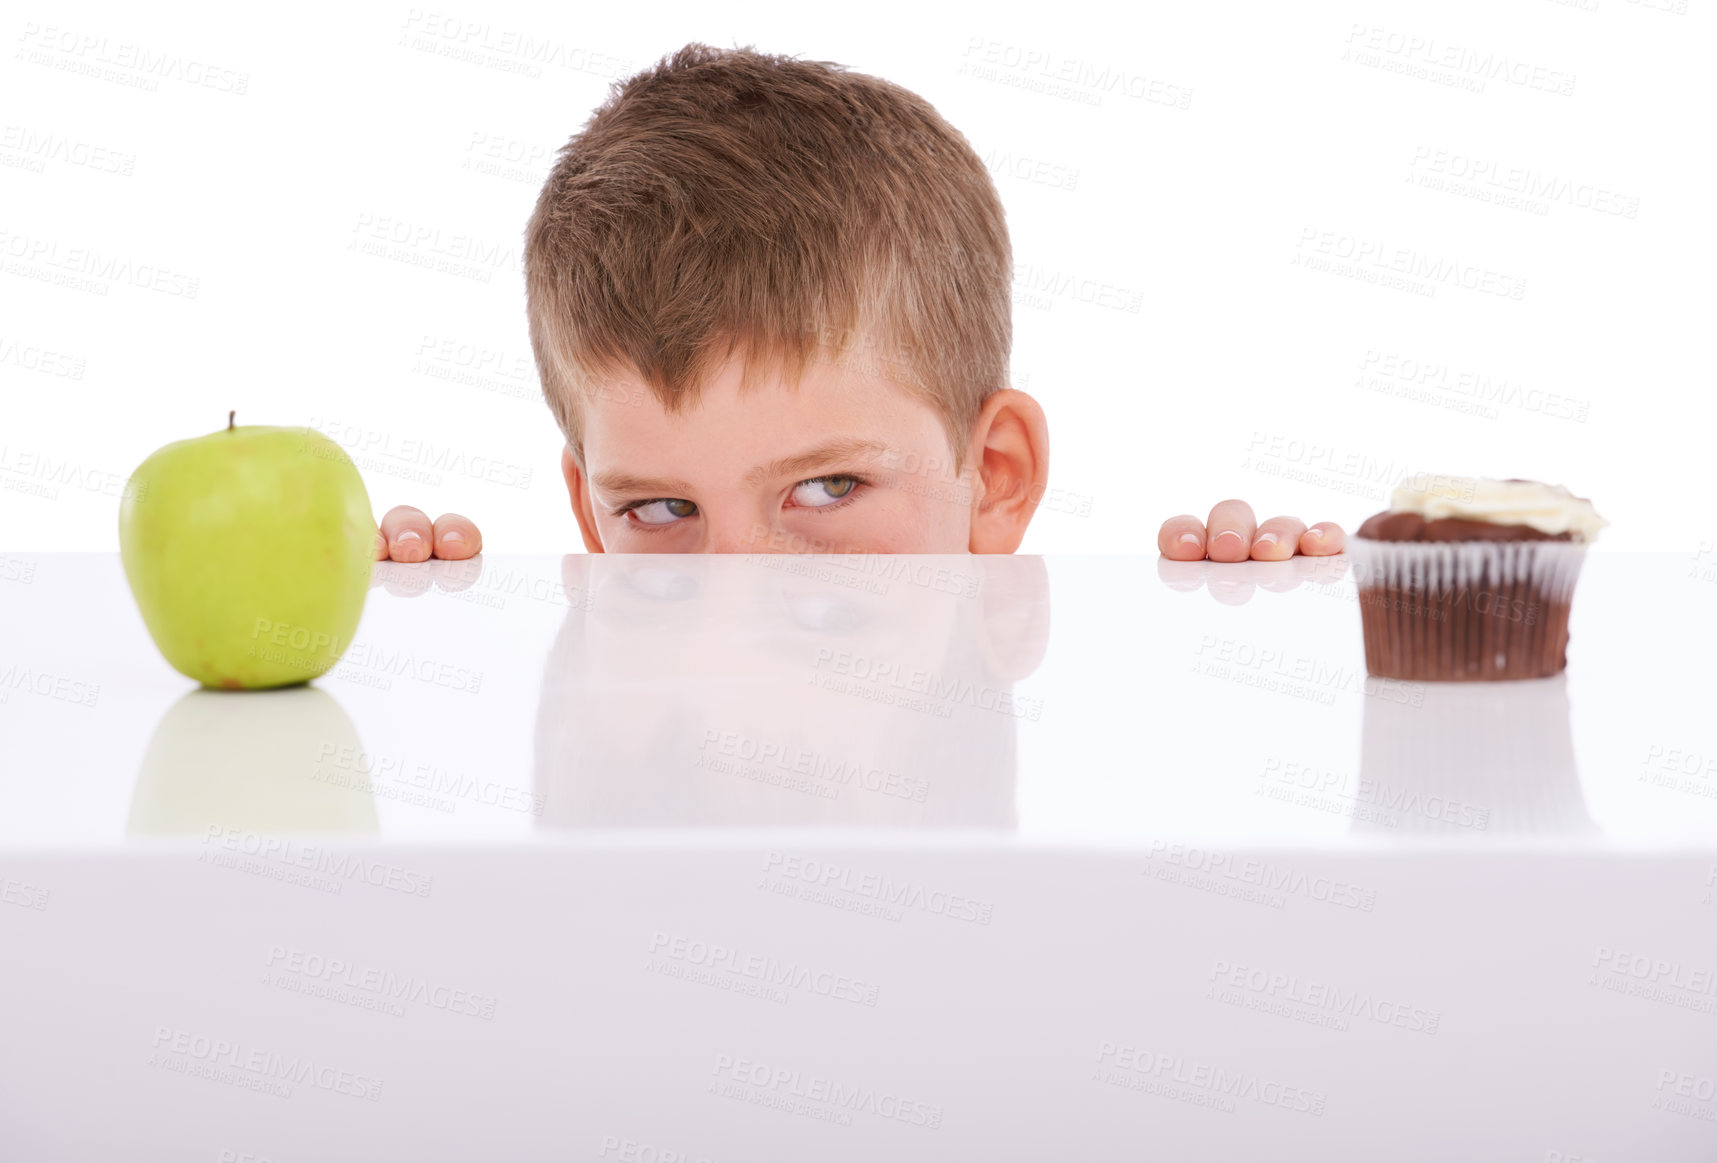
(665, 858)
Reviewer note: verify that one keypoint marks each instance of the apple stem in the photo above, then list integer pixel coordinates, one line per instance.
(230, 416)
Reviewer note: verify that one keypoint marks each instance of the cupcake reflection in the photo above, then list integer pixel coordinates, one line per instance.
(1474, 758)
(785, 690)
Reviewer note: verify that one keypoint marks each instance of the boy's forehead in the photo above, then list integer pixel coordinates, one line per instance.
(836, 399)
(827, 375)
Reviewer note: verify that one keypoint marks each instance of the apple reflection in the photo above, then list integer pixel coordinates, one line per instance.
(789, 690)
(258, 761)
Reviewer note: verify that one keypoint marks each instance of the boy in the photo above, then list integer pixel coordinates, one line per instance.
(770, 303)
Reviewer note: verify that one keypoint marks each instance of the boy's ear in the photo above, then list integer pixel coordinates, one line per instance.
(1010, 451)
(580, 496)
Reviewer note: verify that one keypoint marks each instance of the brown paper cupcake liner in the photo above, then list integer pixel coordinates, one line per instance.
(1465, 611)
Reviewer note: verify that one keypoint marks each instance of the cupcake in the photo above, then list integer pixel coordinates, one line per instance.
(1465, 579)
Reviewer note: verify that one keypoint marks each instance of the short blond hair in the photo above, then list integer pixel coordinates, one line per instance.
(727, 201)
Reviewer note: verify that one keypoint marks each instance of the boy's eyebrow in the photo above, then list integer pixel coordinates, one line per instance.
(810, 461)
(800, 462)
(623, 482)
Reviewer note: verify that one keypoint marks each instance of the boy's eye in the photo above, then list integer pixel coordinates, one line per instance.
(663, 512)
(822, 491)
(817, 493)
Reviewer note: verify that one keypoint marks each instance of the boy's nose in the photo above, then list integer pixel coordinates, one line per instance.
(758, 536)
(742, 537)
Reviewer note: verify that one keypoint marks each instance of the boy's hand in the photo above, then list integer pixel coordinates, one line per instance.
(408, 534)
(1232, 534)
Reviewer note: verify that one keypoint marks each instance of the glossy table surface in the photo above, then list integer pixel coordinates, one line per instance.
(659, 858)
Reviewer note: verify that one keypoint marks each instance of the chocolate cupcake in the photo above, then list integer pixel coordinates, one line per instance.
(1465, 579)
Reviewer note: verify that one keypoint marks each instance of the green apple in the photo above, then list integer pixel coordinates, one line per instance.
(249, 553)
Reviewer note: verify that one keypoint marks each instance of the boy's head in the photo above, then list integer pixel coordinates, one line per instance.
(771, 306)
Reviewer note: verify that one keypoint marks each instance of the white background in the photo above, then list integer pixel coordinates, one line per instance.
(1239, 371)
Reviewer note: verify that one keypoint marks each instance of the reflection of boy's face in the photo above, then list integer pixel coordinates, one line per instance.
(846, 461)
(721, 691)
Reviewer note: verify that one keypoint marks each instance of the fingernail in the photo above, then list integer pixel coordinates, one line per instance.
(1265, 539)
(1315, 534)
(410, 535)
(453, 537)
(1189, 539)
(1226, 534)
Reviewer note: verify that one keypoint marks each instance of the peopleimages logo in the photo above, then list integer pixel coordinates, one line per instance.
(286, 853)
(1524, 181)
(789, 757)
(54, 263)
(816, 1088)
(1218, 1083)
(256, 1068)
(1263, 875)
(36, 148)
(1427, 57)
(510, 50)
(885, 889)
(335, 971)
(1687, 1085)
(1379, 255)
(1303, 677)
(1345, 1002)
(23, 894)
(1656, 971)
(370, 445)
(1054, 74)
(48, 685)
(30, 358)
(766, 970)
(368, 663)
(429, 778)
(1431, 380)
(882, 675)
(132, 64)
(1309, 785)
(43, 470)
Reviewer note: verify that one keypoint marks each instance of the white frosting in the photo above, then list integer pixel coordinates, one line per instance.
(1546, 508)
